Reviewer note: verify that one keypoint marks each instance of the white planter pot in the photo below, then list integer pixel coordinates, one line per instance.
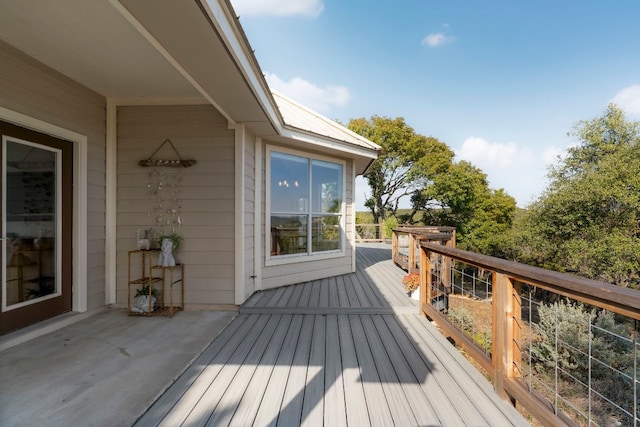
(142, 304)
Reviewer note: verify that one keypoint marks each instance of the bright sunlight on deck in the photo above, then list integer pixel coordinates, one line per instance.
(348, 350)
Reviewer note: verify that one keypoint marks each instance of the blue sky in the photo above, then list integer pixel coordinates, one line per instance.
(500, 82)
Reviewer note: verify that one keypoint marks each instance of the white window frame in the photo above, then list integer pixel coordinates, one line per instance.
(309, 255)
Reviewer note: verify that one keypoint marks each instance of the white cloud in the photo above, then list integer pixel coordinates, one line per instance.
(629, 100)
(488, 155)
(510, 166)
(436, 39)
(321, 99)
(551, 155)
(278, 7)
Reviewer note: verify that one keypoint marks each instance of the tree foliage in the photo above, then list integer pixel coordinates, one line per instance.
(407, 161)
(461, 197)
(446, 192)
(587, 221)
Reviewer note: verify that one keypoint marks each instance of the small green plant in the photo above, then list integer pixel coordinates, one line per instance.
(462, 318)
(175, 238)
(144, 291)
(411, 282)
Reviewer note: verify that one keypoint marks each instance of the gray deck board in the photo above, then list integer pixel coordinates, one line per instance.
(349, 350)
(393, 388)
(312, 406)
(267, 413)
(167, 402)
(291, 406)
(335, 411)
(377, 403)
(294, 301)
(357, 412)
(251, 385)
(406, 376)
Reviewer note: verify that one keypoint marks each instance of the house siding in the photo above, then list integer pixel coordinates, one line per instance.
(28, 87)
(198, 132)
(249, 214)
(307, 270)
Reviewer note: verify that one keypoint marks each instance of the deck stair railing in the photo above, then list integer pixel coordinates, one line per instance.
(565, 348)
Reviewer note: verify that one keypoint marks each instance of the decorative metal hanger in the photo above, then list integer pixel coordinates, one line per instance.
(171, 163)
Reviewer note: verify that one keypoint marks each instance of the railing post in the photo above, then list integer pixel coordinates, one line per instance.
(394, 245)
(425, 279)
(412, 253)
(516, 299)
(451, 243)
(445, 274)
(505, 354)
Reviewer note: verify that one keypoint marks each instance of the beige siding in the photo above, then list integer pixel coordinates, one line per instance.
(297, 272)
(207, 193)
(30, 88)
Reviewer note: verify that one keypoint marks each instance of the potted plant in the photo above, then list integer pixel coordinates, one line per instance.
(143, 305)
(411, 283)
(168, 244)
(175, 239)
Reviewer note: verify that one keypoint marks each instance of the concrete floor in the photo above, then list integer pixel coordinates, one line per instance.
(103, 370)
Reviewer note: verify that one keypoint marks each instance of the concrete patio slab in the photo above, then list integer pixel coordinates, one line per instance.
(103, 371)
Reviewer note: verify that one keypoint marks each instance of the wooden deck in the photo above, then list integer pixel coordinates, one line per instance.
(350, 350)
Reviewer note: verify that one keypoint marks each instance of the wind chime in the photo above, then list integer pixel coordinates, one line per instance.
(163, 189)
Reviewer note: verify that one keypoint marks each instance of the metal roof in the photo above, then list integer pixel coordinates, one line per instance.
(304, 119)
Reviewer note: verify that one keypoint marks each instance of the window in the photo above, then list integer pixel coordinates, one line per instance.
(306, 209)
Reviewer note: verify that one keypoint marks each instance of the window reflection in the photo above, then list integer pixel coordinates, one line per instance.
(31, 204)
(288, 234)
(306, 198)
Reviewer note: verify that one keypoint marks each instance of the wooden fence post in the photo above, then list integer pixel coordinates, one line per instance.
(394, 246)
(445, 274)
(505, 354)
(412, 253)
(425, 279)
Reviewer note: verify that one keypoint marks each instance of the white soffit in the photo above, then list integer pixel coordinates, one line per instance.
(94, 45)
(170, 51)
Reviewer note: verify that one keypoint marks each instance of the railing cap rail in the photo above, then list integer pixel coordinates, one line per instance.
(418, 229)
(606, 295)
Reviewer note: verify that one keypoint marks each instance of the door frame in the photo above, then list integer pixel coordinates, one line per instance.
(80, 175)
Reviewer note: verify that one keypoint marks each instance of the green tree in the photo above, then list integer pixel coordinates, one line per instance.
(587, 221)
(460, 197)
(407, 161)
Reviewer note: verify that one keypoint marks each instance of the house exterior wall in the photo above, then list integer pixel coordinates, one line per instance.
(198, 132)
(249, 214)
(30, 88)
(304, 270)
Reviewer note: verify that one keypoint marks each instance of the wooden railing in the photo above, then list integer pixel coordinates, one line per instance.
(405, 243)
(515, 297)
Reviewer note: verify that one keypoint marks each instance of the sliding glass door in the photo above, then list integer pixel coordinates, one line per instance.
(36, 186)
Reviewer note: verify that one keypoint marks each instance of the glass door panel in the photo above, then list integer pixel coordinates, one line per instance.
(31, 177)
